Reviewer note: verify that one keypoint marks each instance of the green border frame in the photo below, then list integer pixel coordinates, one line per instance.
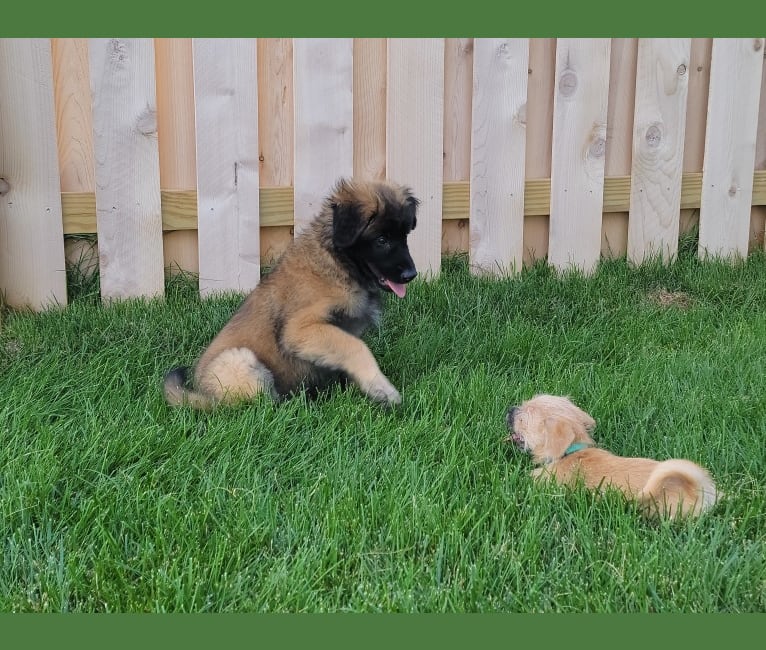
(470, 631)
(344, 18)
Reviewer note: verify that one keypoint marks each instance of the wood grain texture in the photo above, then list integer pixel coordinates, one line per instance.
(127, 168)
(659, 127)
(74, 131)
(732, 123)
(458, 75)
(540, 86)
(497, 161)
(175, 130)
(619, 138)
(324, 113)
(579, 146)
(228, 192)
(74, 121)
(32, 271)
(370, 108)
(414, 138)
(275, 132)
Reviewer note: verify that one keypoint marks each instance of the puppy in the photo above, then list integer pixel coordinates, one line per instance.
(299, 329)
(557, 435)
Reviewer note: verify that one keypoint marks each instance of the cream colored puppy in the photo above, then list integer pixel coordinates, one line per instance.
(557, 435)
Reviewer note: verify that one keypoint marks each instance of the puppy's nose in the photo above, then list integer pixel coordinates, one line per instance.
(408, 275)
(510, 415)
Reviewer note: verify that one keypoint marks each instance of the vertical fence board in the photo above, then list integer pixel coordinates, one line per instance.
(74, 125)
(414, 138)
(659, 126)
(226, 102)
(732, 122)
(128, 207)
(579, 144)
(32, 271)
(458, 75)
(275, 131)
(540, 85)
(74, 132)
(696, 118)
(370, 108)
(175, 129)
(324, 115)
(497, 161)
(619, 138)
(458, 80)
(758, 213)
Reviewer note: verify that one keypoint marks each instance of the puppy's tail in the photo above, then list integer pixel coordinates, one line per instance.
(177, 393)
(678, 488)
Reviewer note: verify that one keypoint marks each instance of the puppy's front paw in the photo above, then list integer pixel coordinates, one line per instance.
(383, 392)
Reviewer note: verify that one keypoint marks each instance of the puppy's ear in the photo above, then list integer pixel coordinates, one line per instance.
(410, 211)
(347, 224)
(559, 434)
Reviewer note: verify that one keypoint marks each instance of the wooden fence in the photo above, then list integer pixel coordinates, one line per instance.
(207, 155)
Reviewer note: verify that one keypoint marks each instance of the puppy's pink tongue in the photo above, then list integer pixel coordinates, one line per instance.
(399, 289)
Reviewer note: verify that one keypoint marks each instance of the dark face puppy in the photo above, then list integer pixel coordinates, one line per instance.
(371, 222)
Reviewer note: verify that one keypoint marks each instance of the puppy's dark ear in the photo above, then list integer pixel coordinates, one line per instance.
(347, 224)
(410, 211)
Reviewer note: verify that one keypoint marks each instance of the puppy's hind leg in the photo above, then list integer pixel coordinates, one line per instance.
(235, 375)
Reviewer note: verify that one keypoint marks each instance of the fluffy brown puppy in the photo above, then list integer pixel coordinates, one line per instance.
(557, 435)
(299, 329)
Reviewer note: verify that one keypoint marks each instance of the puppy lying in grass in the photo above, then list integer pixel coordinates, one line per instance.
(557, 435)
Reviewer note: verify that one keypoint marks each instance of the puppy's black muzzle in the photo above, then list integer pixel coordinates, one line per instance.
(408, 275)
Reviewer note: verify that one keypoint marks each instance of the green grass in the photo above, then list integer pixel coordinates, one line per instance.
(110, 501)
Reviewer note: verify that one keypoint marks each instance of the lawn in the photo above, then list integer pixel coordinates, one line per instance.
(111, 501)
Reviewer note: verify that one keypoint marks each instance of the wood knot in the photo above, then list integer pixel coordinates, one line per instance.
(653, 136)
(5, 187)
(146, 123)
(568, 83)
(521, 116)
(681, 69)
(118, 50)
(597, 148)
(757, 44)
(733, 190)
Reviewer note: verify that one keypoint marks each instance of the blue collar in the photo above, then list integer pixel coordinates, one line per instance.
(577, 446)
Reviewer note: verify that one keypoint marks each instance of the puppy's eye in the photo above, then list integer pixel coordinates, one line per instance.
(381, 241)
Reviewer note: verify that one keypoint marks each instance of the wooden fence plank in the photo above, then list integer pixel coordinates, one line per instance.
(540, 86)
(659, 127)
(619, 138)
(458, 83)
(74, 131)
(497, 162)
(32, 271)
(732, 122)
(370, 108)
(127, 168)
(414, 138)
(275, 132)
(758, 213)
(324, 114)
(226, 101)
(579, 143)
(175, 130)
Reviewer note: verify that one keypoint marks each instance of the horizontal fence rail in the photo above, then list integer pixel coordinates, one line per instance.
(210, 155)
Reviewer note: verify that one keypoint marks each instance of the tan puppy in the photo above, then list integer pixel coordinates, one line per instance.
(557, 435)
(299, 329)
